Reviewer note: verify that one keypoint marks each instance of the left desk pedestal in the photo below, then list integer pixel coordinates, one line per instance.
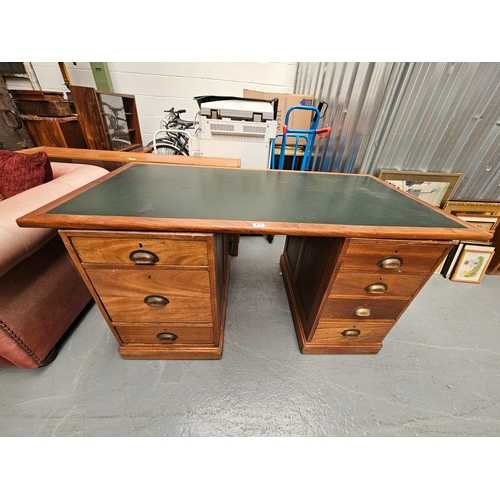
(163, 295)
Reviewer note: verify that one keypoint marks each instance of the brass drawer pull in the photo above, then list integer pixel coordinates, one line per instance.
(156, 301)
(167, 337)
(362, 311)
(376, 288)
(143, 257)
(353, 332)
(390, 263)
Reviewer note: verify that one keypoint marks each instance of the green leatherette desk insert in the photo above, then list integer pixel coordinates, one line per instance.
(151, 242)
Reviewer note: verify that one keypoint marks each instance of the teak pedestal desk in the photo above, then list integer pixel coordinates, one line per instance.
(151, 243)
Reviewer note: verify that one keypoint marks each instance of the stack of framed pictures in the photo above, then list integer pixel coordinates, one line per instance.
(469, 261)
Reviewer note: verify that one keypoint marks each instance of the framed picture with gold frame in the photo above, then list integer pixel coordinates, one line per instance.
(435, 188)
(480, 209)
(472, 263)
(477, 208)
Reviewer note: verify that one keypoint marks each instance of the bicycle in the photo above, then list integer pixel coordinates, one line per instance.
(176, 139)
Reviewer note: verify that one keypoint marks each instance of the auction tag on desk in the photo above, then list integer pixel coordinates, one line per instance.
(258, 224)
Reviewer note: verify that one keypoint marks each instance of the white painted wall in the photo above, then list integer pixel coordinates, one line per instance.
(158, 86)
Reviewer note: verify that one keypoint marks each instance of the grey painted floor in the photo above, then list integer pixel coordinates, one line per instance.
(438, 373)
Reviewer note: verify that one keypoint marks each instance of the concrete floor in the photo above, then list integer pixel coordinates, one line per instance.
(438, 373)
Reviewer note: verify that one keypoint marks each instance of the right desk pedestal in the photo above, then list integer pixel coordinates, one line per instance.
(346, 294)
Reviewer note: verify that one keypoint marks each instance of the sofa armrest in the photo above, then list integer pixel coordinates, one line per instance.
(59, 168)
(18, 243)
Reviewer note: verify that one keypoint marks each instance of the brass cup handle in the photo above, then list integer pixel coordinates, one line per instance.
(156, 301)
(362, 311)
(143, 257)
(376, 288)
(390, 263)
(167, 337)
(353, 332)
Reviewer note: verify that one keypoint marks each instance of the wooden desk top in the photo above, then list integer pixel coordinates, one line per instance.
(203, 199)
(92, 155)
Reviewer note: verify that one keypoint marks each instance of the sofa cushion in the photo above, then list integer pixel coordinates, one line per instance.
(17, 243)
(20, 172)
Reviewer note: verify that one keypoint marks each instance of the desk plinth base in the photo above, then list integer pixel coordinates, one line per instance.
(152, 353)
(308, 347)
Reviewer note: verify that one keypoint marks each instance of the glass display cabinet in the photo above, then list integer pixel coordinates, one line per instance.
(109, 121)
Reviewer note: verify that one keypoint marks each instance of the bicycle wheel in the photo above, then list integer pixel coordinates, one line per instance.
(167, 148)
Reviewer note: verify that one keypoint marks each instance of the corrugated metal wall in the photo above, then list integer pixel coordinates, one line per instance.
(436, 117)
(354, 92)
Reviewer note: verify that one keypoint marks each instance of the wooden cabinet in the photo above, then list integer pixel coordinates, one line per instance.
(56, 131)
(163, 295)
(109, 121)
(347, 293)
(48, 117)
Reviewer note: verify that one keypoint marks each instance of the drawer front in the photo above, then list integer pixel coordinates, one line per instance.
(359, 309)
(154, 295)
(177, 309)
(141, 250)
(393, 256)
(346, 332)
(138, 282)
(377, 284)
(165, 334)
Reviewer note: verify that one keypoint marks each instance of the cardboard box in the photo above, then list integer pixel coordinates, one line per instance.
(299, 119)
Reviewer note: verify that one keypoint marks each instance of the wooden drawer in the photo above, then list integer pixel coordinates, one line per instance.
(377, 284)
(137, 282)
(165, 334)
(161, 249)
(178, 309)
(359, 309)
(413, 256)
(346, 332)
(153, 295)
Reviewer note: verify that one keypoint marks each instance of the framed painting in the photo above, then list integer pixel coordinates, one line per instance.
(477, 208)
(433, 187)
(472, 263)
(485, 223)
